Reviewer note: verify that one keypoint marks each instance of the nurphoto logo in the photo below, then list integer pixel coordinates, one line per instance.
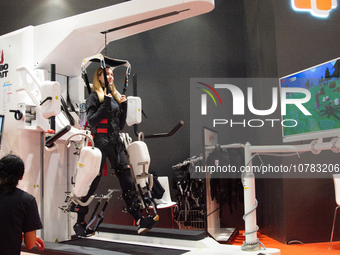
(238, 99)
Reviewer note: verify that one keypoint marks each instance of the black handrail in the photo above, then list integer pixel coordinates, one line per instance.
(60, 133)
(159, 135)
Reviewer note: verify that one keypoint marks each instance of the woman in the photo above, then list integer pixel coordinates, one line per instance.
(106, 115)
(18, 210)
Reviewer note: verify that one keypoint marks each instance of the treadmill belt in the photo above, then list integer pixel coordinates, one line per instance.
(123, 247)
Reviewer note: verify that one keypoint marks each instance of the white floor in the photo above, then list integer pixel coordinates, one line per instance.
(204, 246)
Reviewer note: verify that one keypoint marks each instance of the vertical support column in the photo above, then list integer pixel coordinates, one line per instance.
(53, 78)
(134, 84)
(250, 203)
(42, 204)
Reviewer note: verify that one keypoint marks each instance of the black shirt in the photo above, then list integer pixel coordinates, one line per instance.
(18, 214)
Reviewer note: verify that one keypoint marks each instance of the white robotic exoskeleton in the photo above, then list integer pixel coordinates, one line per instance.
(87, 169)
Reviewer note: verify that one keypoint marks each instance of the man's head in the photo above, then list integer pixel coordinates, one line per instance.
(12, 169)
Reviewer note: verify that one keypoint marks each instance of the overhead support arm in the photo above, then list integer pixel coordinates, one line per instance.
(159, 17)
(83, 34)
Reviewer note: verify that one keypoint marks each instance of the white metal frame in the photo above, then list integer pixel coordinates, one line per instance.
(315, 147)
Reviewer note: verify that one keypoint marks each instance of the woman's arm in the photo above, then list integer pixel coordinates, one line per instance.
(96, 111)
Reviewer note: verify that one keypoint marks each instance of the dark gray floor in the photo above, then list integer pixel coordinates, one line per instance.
(86, 246)
(123, 248)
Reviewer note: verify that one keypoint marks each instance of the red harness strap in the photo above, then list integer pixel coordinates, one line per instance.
(105, 169)
(102, 130)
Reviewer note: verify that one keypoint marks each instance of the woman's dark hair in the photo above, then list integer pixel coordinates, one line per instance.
(12, 168)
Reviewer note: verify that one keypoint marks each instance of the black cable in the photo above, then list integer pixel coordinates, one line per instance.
(68, 115)
(69, 103)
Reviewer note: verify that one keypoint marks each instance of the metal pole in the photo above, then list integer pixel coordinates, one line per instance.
(250, 203)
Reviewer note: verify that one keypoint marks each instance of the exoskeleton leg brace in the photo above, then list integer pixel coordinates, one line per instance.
(139, 159)
(87, 170)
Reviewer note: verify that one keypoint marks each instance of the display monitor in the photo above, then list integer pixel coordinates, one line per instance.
(324, 85)
(2, 118)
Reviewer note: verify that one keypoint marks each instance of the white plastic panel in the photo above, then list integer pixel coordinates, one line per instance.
(139, 158)
(51, 107)
(134, 110)
(87, 169)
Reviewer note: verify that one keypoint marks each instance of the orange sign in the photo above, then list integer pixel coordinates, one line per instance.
(319, 8)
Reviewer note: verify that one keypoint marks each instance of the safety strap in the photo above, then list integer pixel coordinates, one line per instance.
(133, 207)
(126, 83)
(87, 81)
(102, 130)
(80, 209)
(129, 194)
(93, 216)
(100, 217)
(105, 78)
(121, 169)
(126, 139)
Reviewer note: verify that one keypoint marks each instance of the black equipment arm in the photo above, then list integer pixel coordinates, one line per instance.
(68, 114)
(51, 140)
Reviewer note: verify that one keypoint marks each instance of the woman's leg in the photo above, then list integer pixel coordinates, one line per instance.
(83, 210)
(123, 173)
